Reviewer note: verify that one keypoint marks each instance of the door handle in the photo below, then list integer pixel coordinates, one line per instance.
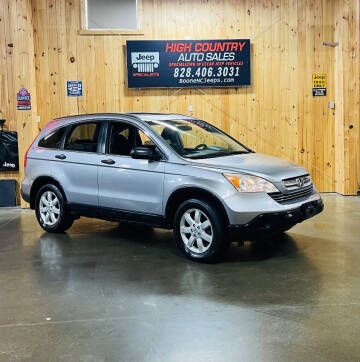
(60, 157)
(108, 162)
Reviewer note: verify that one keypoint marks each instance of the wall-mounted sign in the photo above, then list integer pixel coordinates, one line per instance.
(319, 85)
(23, 100)
(74, 88)
(188, 63)
(9, 154)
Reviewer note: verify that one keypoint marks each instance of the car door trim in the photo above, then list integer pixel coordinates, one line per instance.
(116, 215)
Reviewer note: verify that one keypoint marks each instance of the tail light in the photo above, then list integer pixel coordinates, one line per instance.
(27, 151)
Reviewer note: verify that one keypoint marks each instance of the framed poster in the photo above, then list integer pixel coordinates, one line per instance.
(23, 98)
(74, 88)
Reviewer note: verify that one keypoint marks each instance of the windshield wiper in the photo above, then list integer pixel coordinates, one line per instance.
(236, 153)
(201, 156)
(218, 154)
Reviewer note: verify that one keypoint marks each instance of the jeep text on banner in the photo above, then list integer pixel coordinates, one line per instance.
(188, 63)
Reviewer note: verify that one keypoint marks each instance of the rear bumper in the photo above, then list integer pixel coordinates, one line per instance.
(25, 192)
(274, 222)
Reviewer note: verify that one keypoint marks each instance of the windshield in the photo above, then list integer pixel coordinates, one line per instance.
(193, 138)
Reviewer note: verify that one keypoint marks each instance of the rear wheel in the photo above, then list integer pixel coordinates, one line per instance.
(200, 231)
(50, 210)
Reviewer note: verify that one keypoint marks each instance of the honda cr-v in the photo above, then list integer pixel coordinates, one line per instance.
(167, 170)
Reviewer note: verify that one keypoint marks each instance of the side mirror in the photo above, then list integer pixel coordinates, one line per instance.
(145, 153)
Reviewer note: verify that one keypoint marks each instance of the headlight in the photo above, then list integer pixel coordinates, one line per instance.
(247, 183)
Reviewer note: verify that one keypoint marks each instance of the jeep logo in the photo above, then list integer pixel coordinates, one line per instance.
(7, 164)
(145, 62)
(149, 58)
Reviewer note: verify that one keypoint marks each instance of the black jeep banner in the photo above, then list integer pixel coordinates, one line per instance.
(9, 156)
(188, 63)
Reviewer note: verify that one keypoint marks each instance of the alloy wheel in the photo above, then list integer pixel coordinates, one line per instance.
(196, 230)
(49, 208)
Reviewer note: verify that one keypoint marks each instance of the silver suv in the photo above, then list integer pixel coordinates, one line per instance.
(167, 170)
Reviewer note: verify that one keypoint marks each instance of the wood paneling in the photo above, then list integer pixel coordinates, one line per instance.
(17, 70)
(276, 114)
(347, 97)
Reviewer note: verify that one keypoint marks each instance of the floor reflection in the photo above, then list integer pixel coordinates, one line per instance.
(137, 260)
(126, 290)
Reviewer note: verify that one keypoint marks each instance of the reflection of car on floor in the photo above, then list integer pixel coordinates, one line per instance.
(166, 170)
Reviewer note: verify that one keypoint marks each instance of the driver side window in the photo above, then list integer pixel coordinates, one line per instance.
(124, 137)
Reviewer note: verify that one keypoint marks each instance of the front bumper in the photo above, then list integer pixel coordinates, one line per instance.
(275, 222)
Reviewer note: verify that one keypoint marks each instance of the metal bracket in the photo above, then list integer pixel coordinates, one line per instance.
(331, 43)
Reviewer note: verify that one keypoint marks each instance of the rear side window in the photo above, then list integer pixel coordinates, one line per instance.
(83, 137)
(53, 139)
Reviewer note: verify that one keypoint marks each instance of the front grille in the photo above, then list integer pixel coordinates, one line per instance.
(292, 195)
(299, 181)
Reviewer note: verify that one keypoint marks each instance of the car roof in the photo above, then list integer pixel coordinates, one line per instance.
(137, 115)
(160, 116)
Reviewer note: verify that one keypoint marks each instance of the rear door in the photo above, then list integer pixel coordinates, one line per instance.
(77, 163)
(128, 184)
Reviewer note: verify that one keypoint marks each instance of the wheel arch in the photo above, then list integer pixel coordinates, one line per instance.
(38, 183)
(185, 193)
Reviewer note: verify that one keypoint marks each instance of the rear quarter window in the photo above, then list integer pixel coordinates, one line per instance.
(53, 139)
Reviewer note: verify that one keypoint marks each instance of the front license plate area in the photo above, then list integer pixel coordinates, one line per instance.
(311, 208)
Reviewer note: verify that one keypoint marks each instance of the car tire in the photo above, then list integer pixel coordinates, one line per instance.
(50, 210)
(197, 219)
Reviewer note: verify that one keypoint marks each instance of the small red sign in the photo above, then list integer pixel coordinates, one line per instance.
(23, 100)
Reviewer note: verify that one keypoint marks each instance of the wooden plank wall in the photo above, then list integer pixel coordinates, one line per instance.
(347, 97)
(17, 70)
(276, 114)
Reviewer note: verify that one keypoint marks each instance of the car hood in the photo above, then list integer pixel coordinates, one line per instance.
(271, 168)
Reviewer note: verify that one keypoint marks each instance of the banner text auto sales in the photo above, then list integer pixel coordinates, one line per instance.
(188, 63)
(208, 51)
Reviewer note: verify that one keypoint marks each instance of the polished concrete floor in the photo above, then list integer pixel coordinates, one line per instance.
(110, 292)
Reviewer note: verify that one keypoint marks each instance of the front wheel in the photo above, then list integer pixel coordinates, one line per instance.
(50, 210)
(200, 231)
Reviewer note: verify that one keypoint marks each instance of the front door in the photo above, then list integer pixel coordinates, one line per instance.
(128, 184)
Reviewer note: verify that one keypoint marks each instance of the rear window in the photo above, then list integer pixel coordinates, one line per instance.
(83, 137)
(53, 139)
